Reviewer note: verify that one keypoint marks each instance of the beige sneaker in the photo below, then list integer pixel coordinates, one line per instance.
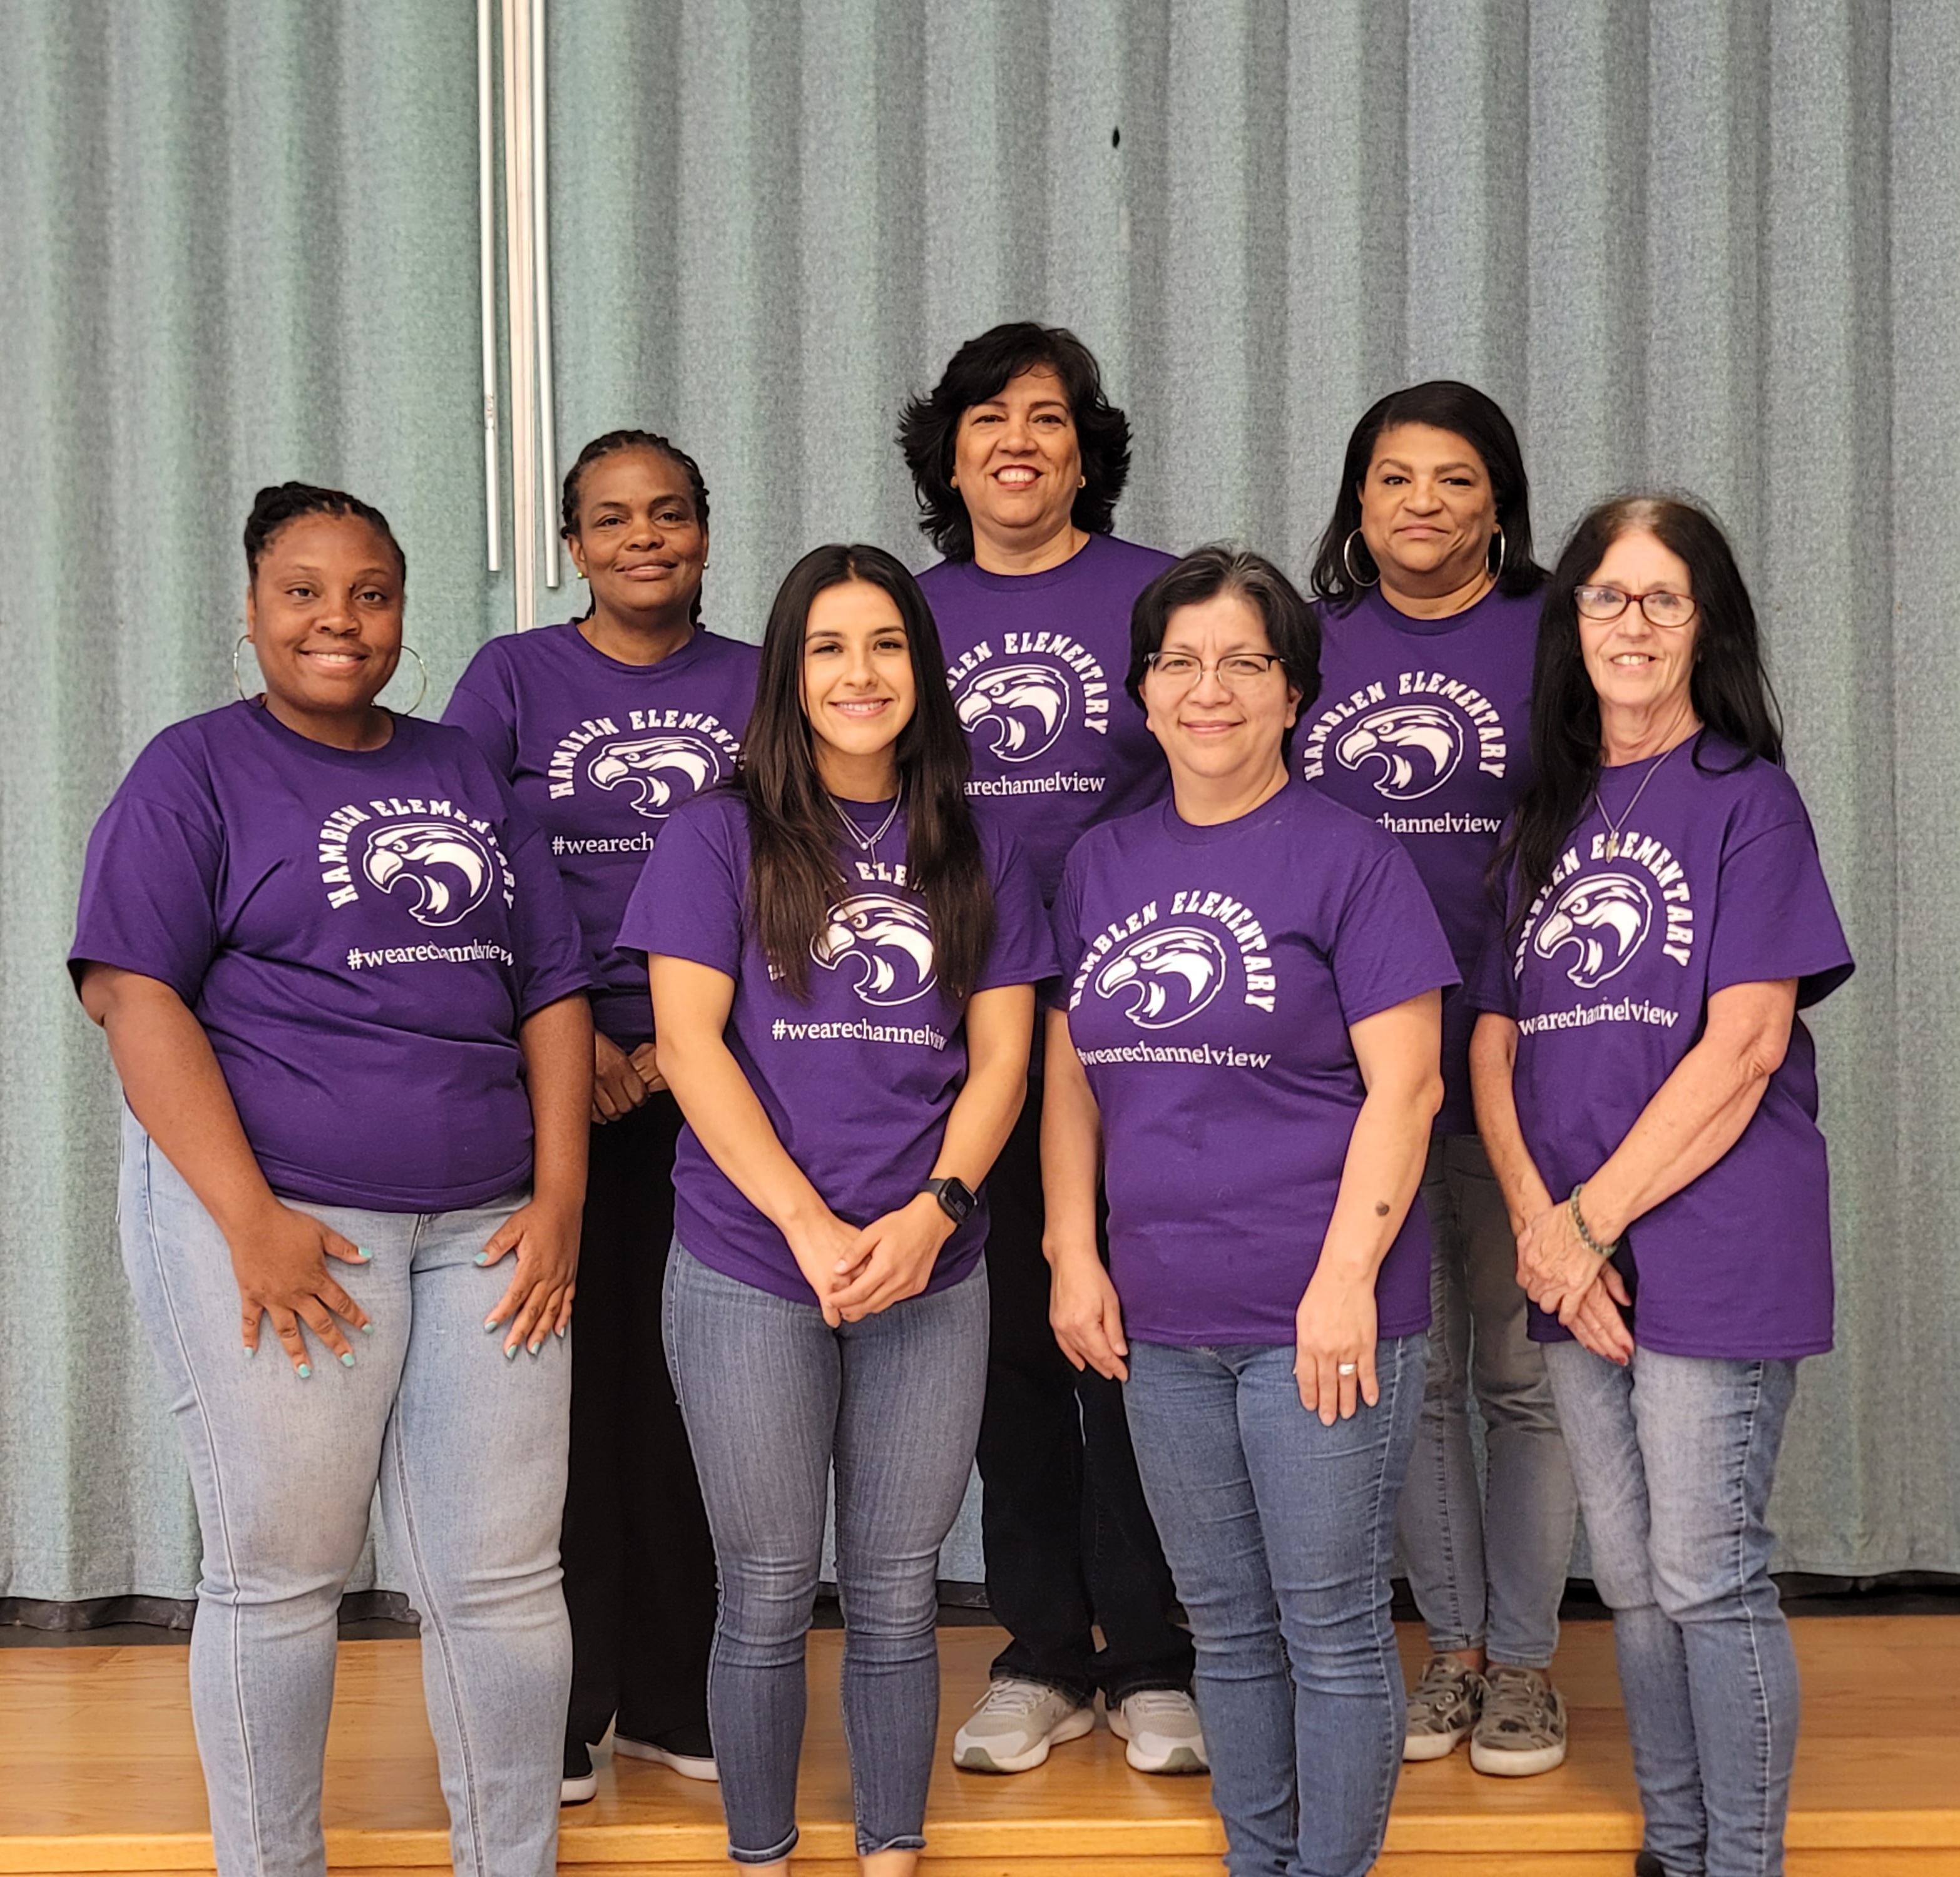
(1443, 1709)
(1522, 1729)
(1014, 1725)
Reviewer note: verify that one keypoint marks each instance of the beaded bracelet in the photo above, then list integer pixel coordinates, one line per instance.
(1585, 1238)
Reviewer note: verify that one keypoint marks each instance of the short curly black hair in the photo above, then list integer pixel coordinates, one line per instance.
(980, 370)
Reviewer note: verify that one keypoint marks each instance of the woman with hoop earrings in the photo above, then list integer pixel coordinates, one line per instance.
(603, 727)
(842, 956)
(347, 1001)
(1429, 604)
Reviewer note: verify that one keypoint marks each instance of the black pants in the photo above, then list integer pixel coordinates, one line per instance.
(639, 1567)
(1070, 1542)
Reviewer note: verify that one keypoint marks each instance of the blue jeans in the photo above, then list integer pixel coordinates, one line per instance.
(1675, 1456)
(469, 1452)
(774, 1399)
(1279, 1533)
(1487, 1570)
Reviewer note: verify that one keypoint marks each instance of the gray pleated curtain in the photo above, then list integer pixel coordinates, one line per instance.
(1712, 243)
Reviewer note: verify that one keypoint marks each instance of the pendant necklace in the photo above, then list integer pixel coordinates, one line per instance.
(869, 844)
(1613, 826)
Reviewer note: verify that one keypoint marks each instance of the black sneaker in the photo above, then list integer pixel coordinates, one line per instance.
(580, 1783)
(1647, 1865)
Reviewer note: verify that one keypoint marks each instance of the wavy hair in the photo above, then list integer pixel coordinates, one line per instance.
(929, 428)
(794, 876)
(1728, 686)
(1465, 412)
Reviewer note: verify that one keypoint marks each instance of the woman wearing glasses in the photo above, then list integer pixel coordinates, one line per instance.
(1247, 1059)
(1429, 611)
(1648, 1097)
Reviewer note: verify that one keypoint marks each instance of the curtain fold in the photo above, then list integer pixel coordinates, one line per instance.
(1713, 244)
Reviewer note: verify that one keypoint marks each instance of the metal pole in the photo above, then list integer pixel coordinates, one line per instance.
(520, 288)
(486, 139)
(541, 308)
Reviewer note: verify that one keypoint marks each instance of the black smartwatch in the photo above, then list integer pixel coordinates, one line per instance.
(955, 1196)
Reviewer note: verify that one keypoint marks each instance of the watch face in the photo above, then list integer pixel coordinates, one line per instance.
(957, 1201)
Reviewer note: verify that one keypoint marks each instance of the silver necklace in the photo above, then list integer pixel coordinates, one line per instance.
(1613, 837)
(870, 844)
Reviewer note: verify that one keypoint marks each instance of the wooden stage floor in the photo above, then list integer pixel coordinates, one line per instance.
(98, 1773)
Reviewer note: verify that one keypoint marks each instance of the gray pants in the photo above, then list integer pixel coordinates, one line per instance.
(1487, 1570)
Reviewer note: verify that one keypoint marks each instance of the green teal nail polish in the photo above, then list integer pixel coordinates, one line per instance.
(536, 1346)
(509, 1349)
(305, 1372)
(367, 1329)
(483, 1258)
(347, 1360)
(366, 1258)
(249, 1352)
(489, 1322)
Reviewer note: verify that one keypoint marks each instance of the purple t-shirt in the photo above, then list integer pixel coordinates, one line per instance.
(600, 754)
(858, 1081)
(1211, 976)
(1716, 882)
(1424, 726)
(360, 933)
(1036, 663)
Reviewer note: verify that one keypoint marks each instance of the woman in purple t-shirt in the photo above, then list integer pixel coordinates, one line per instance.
(603, 727)
(1429, 613)
(842, 957)
(1649, 1096)
(346, 998)
(1018, 459)
(1247, 1059)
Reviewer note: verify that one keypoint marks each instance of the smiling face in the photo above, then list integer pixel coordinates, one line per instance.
(323, 613)
(639, 542)
(1428, 512)
(1639, 670)
(1017, 463)
(1215, 732)
(858, 688)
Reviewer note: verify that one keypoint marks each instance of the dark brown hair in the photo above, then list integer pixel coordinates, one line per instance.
(611, 444)
(794, 877)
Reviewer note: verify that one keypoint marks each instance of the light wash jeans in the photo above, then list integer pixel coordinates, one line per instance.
(1279, 1533)
(469, 1451)
(773, 1399)
(1674, 1457)
(1487, 1570)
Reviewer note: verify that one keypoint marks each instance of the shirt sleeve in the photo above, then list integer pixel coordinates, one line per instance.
(1388, 945)
(483, 707)
(1774, 918)
(551, 958)
(1491, 986)
(1023, 948)
(149, 891)
(688, 902)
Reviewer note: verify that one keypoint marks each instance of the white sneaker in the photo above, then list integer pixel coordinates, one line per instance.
(1161, 1727)
(1015, 1722)
(689, 1766)
(576, 1790)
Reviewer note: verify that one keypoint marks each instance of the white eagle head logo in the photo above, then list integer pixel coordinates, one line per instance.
(1417, 746)
(663, 771)
(1026, 705)
(889, 941)
(1604, 917)
(448, 868)
(1165, 974)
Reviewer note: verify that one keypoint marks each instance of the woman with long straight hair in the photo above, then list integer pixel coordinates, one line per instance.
(1429, 605)
(1649, 1096)
(842, 957)
(602, 727)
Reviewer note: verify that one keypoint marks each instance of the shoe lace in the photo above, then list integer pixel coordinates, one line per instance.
(1518, 1702)
(1156, 1704)
(1008, 1696)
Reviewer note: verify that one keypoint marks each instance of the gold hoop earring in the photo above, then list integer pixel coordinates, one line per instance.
(1494, 572)
(1347, 562)
(238, 677)
(422, 691)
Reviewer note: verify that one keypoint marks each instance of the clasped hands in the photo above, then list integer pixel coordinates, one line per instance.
(1565, 1280)
(857, 1272)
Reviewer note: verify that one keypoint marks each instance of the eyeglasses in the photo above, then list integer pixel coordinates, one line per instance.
(1662, 607)
(1236, 668)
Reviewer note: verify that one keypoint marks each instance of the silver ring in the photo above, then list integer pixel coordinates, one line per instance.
(1346, 1368)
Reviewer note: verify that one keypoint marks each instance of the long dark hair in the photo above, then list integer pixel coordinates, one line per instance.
(794, 878)
(1464, 410)
(1728, 686)
(929, 428)
(611, 444)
